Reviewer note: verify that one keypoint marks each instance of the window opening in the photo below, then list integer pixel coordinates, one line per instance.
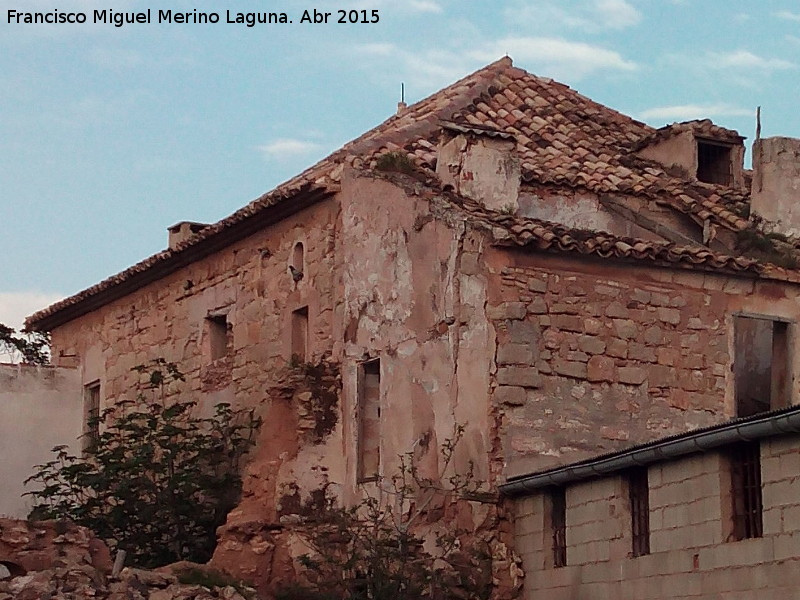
(91, 410)
(300, 334)
(298, 257)
(639, 497)
(369, 420)
(714, 163)
(219, 336)
(761, 365)
(745, 463)
(558, 526)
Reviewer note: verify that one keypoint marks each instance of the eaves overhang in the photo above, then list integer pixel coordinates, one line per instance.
(237, 227)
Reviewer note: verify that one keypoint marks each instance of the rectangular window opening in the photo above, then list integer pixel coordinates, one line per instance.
(300, 334)
(219, 336)
(558, 526)
(747, 507)
(714, 163)
(91, 414)
(639, 498)
(761, 365)
(369, 420)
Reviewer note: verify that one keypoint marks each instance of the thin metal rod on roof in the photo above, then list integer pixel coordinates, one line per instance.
(758, 123)
(402, 92)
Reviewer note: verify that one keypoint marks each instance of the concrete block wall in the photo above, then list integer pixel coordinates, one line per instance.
(693, 554)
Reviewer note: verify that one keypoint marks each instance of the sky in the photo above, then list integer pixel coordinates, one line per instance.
(109, 135)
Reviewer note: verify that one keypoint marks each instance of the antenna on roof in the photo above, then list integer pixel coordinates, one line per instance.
(401, 106)
(758, 123)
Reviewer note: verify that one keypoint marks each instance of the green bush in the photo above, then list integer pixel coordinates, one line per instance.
(157, 481)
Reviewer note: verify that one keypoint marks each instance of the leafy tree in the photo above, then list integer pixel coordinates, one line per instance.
(32, 348)
(158, 480)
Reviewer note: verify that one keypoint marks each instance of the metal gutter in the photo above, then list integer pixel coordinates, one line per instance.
(754, 428)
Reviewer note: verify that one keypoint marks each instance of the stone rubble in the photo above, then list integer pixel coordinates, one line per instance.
(56, 560)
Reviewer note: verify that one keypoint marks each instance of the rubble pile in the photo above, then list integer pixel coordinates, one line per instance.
(58, 560)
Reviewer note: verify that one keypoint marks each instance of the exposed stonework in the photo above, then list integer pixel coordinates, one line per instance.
(36, 546)
(57, 559)
(597, 359)
(445, 299)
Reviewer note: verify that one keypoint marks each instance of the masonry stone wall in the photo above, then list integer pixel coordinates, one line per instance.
(592, 358)
(40, 407)
(249, 283)
(692, 552)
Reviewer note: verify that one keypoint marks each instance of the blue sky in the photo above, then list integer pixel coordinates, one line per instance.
(109, 135)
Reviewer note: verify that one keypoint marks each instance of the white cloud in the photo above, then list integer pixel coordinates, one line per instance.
(590, 16)
(288, 148)
(744, 59)
(15, 306)
(425, 6)
(556, 57)
(617, 14)
(428, 70)
(406, 6)
(688, 112)
(115, 58)
(787, 15)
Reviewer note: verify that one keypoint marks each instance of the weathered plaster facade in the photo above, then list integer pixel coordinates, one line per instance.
(534, 274)
(40, 407)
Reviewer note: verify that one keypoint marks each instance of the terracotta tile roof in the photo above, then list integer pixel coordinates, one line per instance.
(539, 235)
(562, 137)
(700, 128)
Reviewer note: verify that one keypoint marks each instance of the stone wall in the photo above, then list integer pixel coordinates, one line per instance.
(592, 358)
(692, 552)
(40, 407)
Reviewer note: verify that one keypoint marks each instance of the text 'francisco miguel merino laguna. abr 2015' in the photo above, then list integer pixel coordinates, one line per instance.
(249, 19)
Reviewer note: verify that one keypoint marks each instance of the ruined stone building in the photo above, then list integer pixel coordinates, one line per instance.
(593, 299)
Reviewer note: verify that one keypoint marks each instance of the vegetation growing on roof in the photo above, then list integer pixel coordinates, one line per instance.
(395, 162)
(759, 241)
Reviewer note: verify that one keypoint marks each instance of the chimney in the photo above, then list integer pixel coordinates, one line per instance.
(775, 193)
(481, 164)
(401, 108)
(182, 231)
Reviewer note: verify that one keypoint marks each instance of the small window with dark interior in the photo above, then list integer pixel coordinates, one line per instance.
(91, 415)
(297, 268)
(760, 364)
(746, 498)
(218, 334)
(300, 334)
(714, 163)
(639, 498)
(369, 420)
(558, 526)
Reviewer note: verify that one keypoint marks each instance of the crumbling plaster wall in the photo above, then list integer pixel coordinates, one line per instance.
(776, 183)
(620, 214)
(593, 357)
(414, 296)
(40, 407)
